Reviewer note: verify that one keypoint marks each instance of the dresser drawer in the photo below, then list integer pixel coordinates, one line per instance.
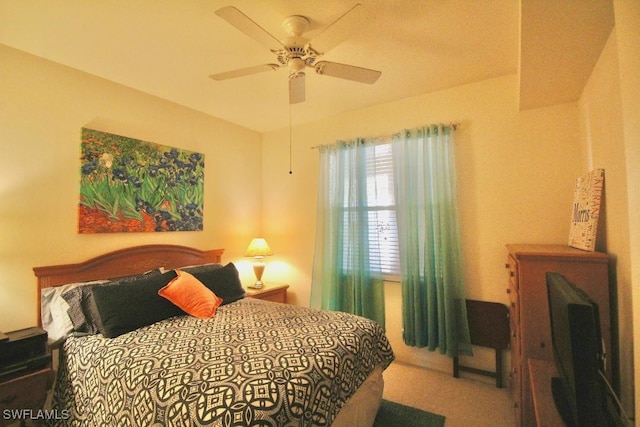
(514, 307)
(26, 392)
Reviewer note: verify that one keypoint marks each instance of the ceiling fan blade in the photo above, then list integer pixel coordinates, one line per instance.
(349, 72)
(245, 71)
(296, 88)
(245, 24)
(339, 30)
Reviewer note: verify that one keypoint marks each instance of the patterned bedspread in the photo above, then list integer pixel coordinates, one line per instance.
(255, 363)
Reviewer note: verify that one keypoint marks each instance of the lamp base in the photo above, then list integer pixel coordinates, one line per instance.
(258, 269)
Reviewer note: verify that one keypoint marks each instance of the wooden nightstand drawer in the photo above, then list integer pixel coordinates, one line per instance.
(275, 293)
(26, 392)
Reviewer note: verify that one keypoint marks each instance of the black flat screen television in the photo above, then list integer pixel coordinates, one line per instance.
(579, 391)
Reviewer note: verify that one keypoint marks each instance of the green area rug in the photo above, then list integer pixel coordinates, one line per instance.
(393, 414)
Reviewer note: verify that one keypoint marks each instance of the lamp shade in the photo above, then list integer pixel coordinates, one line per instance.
(258, 248)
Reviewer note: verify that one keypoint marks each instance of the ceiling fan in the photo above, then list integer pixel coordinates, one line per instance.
(297, 52)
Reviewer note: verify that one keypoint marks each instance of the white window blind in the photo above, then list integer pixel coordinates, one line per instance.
(381, 213)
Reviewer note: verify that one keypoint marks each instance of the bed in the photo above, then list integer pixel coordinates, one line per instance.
(136, 360)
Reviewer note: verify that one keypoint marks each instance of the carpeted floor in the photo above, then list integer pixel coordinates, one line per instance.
(393, 414)
(470, 400)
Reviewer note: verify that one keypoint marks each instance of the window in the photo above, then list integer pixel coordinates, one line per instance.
(380, 211)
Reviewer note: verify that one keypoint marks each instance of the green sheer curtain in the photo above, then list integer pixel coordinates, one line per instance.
(433, 296)
(343, 278)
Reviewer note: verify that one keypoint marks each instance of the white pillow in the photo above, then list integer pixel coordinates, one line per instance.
(55, 319)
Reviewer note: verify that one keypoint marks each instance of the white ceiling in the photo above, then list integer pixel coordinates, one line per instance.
(168, 48)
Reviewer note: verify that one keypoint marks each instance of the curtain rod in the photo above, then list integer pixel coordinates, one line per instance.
(381, 139)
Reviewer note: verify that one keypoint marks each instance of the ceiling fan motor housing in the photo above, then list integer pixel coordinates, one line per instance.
(297, 54)
(295, 25)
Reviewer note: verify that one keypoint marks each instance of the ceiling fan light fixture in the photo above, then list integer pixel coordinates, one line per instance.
(296, 65)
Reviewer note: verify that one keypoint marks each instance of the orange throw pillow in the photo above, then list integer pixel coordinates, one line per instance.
(191, 295)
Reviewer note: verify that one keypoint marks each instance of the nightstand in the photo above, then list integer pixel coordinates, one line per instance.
(269, 292)
(26, 375)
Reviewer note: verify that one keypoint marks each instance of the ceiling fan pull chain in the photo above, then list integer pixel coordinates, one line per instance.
(290, 168)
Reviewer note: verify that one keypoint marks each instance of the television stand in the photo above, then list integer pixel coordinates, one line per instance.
(541, 373)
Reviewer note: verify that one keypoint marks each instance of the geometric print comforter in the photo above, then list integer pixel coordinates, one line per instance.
(256, 363)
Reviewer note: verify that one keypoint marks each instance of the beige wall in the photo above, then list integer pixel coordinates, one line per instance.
(610, 126)
(627, 15)
(43, 106)
(601, 122)
(516, 176)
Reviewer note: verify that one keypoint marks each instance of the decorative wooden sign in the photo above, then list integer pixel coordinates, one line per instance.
(587, 201)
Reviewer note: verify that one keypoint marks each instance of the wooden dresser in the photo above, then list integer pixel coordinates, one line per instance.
(529, 311)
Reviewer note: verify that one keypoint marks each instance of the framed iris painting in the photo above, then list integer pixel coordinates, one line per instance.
(129, 185)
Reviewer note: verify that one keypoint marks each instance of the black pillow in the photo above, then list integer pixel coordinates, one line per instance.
(132, 304)
(223, 281)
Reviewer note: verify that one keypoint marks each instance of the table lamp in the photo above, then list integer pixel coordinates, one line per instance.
(258, 249)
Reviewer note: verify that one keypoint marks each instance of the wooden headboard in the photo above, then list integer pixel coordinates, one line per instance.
(122, 262)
